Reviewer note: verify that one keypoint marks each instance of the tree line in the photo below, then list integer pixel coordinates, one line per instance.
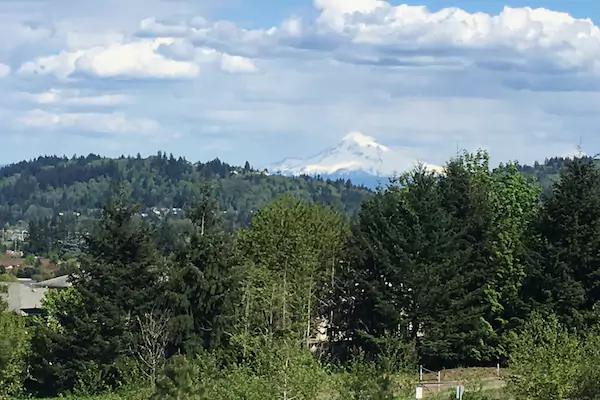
(444, 269)
(40, 189)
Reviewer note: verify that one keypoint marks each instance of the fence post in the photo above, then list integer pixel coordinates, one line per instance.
(420, 373)
(419, 392)
(439, 380)
(498, 369)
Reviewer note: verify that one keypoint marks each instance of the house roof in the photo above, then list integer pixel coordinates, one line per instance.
(58, 282)
(11, 262)
(21, 297)
(14, 262)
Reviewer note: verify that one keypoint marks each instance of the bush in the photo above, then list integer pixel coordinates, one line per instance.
(588, 387)
(277, 370)
(14, 348)
(545, 361)
(390, 375)
(181, 379)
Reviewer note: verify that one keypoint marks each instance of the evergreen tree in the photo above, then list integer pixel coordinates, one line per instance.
(464, 331)
(491, 214)
(203, 281)
(442, 260)
(399, 245)
(119, 279)
(569, 280)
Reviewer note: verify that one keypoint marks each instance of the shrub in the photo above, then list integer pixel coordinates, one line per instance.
(545, 361)
(14, 348)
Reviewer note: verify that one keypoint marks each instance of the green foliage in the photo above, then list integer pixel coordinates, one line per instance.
(589, 374)
(280, 370)
(181, 379)
(203, 281)
(568, 281)
(120, 278)
(443, 257)
(439, 269)
(381, 379)
(14, 349)
(546, 361)
(4, 278)
(395, 248)
(290, 254)
(38, 190)
(57, 304)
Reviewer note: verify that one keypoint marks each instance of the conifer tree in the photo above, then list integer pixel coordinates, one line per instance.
(491, 214)
(399, 245)
(442, 259)
(120, 277)
(203, 280)
(569, 280)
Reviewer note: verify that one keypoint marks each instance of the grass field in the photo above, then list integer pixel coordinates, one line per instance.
(474, 379)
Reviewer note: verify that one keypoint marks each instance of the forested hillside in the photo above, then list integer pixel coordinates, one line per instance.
(545, 174)
(39, 189)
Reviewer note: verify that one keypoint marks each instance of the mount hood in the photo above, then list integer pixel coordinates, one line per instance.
(356, 156)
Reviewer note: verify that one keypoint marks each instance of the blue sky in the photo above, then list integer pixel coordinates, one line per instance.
(261, 80)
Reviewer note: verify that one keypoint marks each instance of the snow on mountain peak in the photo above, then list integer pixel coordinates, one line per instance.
(355, 153)
(361, 140)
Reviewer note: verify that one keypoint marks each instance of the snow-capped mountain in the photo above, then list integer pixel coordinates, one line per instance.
(356, 156)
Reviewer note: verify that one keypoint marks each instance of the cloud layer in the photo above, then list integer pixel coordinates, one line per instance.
(522, 83)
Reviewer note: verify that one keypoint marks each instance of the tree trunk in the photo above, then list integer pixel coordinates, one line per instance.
(308, 316)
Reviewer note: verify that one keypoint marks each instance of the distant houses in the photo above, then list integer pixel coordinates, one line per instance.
(14, 253)
(11, 263)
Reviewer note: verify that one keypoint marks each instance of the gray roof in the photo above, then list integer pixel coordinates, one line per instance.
(59, 282)
(22, 297)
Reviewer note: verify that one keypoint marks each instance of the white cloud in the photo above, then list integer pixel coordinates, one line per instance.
(135, 60)
(4, 70)
(142, 58)
(333, 12)
(237, 64)
(78, 40)
(75, 97)
(522, 37)
(375, 32)
(354, 31)
(154, 27)
(92, 122)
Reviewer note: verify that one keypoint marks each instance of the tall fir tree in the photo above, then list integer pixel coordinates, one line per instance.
(569, 226)
(465, 329)
(491, 213)
(120, 277)
(442, 259)
(398, 248)
(203, 281)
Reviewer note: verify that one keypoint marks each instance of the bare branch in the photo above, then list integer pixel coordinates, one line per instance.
(153, 336)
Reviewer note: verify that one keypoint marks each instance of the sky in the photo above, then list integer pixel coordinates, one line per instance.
(262, 80)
